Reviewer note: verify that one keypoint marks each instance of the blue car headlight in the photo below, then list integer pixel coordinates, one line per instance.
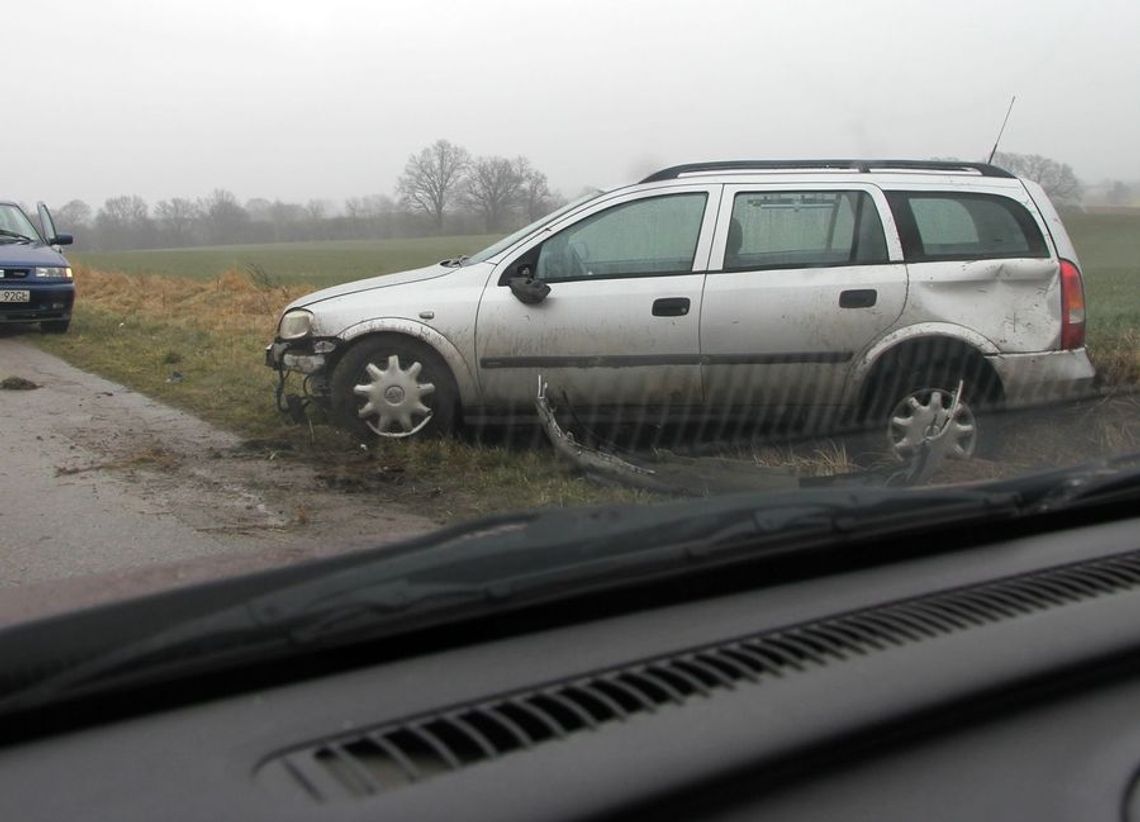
(54, 272)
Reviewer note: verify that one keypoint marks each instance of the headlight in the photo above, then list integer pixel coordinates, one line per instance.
(294, 325)
(56, 273)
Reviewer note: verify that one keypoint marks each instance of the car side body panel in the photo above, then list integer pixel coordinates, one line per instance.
(1052, 221)
(425, 333)
(787, 337)
(600, 340)
(1013, 301)
(435, 309)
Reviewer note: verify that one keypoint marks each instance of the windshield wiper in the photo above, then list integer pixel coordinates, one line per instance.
(518, 561)
(1112, 479)
(501, 563)
(455, 262)
(16, 236)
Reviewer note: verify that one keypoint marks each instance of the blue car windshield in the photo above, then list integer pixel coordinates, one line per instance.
(14, 221)
(505, 243)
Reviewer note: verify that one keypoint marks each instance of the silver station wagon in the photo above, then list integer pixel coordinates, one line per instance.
(812, 293)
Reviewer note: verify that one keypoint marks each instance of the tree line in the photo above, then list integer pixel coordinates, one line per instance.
(443, 189)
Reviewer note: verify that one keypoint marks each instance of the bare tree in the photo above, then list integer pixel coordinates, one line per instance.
(493, 187)
(74, 214)
(177, 217)
(535, 195)
(316, 210)
(126, 209)
(286, 217)
(375, 206)
(124, 222)
(223, 216)
(259, 210)
(364, 208)
(1057, 178)
(1119, 193)
(371, 215)
(354, 208)
(432, 178)
(317, 213)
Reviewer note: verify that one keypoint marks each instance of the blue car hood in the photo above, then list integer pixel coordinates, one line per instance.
(22, 255)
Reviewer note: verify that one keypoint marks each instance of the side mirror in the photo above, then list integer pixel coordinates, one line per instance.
(62, 239)
(528, 290)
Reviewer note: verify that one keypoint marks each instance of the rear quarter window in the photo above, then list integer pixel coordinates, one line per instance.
(958, 226)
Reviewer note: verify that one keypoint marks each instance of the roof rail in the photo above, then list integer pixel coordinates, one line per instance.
(863, 166)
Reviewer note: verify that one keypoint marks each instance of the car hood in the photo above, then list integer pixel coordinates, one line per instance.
(382, 281)
(19, 255)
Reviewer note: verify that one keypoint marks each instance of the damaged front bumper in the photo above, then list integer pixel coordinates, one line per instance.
(308, 356)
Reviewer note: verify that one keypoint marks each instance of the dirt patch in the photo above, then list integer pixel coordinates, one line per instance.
(103, 483)
(17, 384)
(1015, 443)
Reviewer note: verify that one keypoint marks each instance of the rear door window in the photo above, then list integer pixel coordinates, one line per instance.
(803, 229)
(958, 226)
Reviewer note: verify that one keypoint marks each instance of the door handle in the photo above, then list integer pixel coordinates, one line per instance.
(671, 307)
(858, 298)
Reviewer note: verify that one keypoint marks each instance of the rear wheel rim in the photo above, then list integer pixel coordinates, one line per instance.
(395, 402)
(922, 413)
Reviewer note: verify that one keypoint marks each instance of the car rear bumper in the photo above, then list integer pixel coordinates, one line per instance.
(1044, 377)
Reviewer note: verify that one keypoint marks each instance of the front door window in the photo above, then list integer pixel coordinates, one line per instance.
(645, 238)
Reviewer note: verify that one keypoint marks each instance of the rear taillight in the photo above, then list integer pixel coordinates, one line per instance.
(1072, 306)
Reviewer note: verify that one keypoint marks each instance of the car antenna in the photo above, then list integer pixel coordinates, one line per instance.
(1001, 131)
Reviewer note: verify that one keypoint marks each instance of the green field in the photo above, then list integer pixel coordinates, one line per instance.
(316, 263)
(1108, 244)
(1109, 248)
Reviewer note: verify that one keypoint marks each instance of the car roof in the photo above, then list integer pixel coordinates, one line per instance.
(862, 166)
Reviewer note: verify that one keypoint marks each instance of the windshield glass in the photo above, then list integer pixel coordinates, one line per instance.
(508, 241)
(13, 221)
(251, 361)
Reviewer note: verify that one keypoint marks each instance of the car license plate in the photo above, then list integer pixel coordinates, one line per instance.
(12, 295)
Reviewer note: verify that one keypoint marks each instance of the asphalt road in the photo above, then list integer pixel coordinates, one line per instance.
(107, 493)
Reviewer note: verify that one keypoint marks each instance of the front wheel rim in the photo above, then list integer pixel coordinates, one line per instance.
(393, 397)
(920, 414)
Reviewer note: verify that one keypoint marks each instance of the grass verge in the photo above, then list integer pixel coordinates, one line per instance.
(197, 345)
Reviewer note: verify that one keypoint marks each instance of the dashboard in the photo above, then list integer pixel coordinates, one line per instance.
(999, 681)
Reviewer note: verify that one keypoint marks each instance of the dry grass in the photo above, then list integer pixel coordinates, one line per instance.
(195, 344)
(231, 302)
(821, 458)
(1117, 358)
(139, 329)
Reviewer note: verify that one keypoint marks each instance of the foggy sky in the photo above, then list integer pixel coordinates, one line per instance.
(300, 100)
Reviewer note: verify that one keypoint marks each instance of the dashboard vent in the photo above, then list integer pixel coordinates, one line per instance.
(396, 754)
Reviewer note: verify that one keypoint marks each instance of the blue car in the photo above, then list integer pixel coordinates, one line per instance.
(36, 284)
